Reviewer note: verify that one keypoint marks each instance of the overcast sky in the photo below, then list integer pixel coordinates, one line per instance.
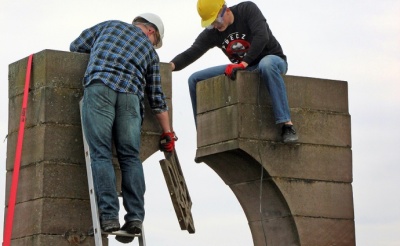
(354, 41)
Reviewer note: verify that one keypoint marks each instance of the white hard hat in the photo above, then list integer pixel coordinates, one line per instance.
(156, 21)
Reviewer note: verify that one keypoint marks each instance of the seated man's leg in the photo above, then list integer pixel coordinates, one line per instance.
(200, 76)
(271, 70)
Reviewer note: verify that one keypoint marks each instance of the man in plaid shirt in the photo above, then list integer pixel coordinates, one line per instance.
(123, 65)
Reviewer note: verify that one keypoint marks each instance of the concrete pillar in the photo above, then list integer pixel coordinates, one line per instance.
(304, 190)
(53, 205)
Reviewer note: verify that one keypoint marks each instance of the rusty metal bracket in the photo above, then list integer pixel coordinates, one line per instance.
(178, 190)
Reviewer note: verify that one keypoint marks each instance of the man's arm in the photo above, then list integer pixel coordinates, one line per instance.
(163, 120)
(86, 39)
(200, 46)
(168, 137)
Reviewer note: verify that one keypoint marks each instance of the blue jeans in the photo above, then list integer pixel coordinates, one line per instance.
(271, 68)
(109, 116)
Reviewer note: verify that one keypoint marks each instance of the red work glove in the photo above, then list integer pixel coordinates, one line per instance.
(231, 69)
(167, 141)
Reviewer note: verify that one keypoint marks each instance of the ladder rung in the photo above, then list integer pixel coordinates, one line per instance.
(122, 233)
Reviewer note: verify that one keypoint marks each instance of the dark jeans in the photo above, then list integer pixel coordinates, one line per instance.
(109, 116)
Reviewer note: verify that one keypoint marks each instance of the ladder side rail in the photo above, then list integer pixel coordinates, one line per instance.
(141, 238)
(92, 194)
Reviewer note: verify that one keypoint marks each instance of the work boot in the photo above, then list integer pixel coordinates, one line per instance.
(110, 225)
(289, 134)
(132, 227)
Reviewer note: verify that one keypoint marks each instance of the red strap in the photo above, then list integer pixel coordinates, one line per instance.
(17, 163)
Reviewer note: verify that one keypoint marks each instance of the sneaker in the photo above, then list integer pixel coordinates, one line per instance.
(124, 239)
(132, 227)
(289, 134)
(110, 225)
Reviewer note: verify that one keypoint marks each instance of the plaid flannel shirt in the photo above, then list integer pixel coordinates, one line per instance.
(124, 59)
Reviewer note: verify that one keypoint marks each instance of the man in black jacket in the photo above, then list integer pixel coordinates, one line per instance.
(242, 33)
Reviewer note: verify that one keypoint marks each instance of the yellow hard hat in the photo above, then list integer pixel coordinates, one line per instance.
(208, 10)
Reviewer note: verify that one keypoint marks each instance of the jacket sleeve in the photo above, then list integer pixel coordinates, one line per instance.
(155, 95)
(259, 28)
(200, 46)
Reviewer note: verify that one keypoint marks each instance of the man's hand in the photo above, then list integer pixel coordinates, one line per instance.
(231, 69)
(172, 66)
(167, 141)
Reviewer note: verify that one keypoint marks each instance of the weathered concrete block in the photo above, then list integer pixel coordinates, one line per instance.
(305, 161)
(304, 185)
(249, 121)
(166, 79)
(225, 126)
(48, 142)
(53, 196)
(306, 93)
(317, 94)
(325, 231)
(56, 88)
(59, 240)
(46, 105)
(49, 68)
(317, 199)
(51, 180)
(264, 193)
(311, 162)
(276, 232)
(51, 217)
(228, 164)
(150, 123)
(304, 201)
(149, 144)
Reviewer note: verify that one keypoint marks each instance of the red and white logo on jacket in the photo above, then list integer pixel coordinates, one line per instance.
(235, 47)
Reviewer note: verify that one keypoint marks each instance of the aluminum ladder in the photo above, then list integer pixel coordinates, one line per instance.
(97, 232)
